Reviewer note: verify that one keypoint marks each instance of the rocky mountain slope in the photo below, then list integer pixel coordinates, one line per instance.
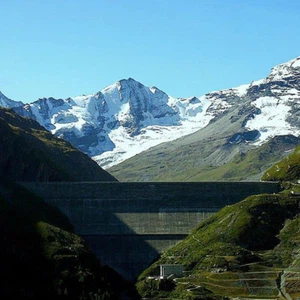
(266, 108)
(127, 118)
(28, 152)
(247, 250)
(8, 103)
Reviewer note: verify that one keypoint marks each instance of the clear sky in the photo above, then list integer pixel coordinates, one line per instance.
(63, 48)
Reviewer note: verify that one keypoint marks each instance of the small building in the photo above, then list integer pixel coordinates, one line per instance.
(294, 194)
(169, 269)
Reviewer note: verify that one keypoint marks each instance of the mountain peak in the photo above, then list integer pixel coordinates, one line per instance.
(130, 81)
(285, 70)
(121, 84)
(293, 63)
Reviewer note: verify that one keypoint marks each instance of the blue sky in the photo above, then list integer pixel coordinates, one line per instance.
(64, 48)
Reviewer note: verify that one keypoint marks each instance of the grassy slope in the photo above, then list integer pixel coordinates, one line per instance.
(29, 152)
(207, 154)
(287, 169)
(202, 148)
(244, 239)
(249, 165)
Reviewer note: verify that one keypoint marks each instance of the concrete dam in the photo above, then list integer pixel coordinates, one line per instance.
(129, 224)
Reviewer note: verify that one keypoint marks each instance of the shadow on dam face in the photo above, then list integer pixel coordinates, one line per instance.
(130, 234)
(129, 224)
(129, 254)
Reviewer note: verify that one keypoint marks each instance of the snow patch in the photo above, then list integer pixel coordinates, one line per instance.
(272, 119)
(296, 64)
(241, 90)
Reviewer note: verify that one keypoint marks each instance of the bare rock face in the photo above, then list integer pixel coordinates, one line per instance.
(8, 103)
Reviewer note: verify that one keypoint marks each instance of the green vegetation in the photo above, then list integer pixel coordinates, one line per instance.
(287, 169)
(238, 252)
(30, 153)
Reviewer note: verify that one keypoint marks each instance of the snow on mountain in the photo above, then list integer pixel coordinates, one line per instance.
(8, 103)
(277, 99)
(127, 117)
(121, 120)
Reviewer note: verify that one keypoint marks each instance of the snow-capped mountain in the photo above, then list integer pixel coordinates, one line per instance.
(127, 118)
(120, 121)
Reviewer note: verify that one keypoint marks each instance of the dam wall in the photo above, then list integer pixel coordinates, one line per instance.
(129, 224)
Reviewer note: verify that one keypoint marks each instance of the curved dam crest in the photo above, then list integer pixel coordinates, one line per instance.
(129, 224)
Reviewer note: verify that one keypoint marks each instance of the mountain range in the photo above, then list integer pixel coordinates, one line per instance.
(127, 118)
(257, 128)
